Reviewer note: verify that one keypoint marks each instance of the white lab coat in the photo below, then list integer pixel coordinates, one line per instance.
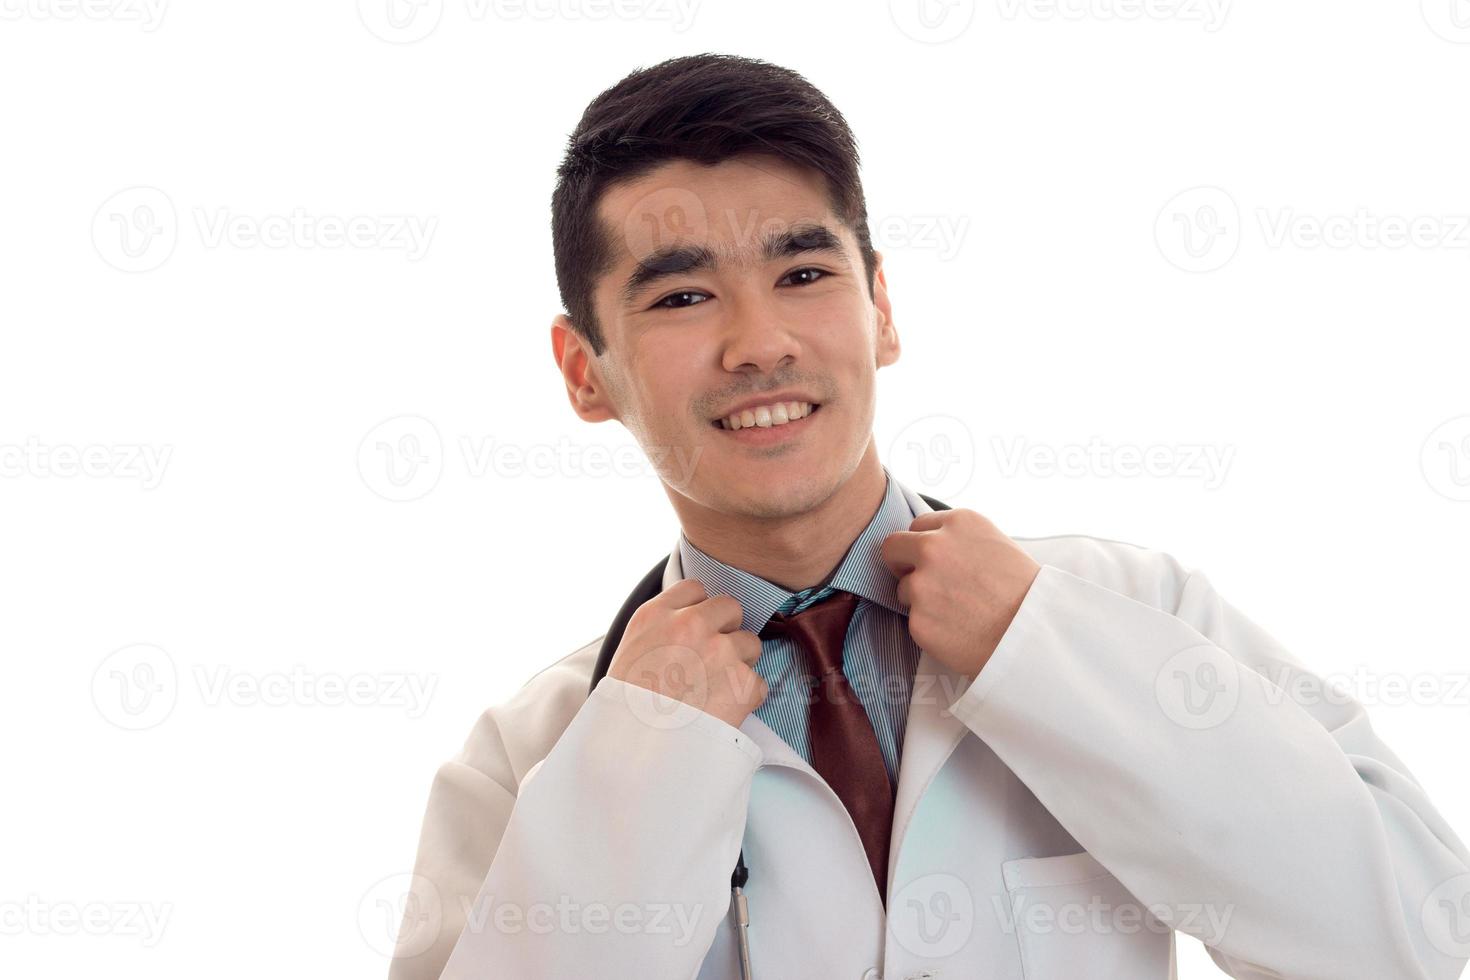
(1126, 758)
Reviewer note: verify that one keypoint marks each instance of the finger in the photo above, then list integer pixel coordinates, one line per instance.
(930, 520)
(903, 592)
(685, 592)
(722, 613)
(899, 551)
(747, 646)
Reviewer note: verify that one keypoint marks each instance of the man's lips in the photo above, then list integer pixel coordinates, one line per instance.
(766, 434)
(812, 407)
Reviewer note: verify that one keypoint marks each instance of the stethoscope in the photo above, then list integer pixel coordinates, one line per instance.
(650, 586)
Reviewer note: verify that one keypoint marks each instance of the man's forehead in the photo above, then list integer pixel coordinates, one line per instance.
(732, 208)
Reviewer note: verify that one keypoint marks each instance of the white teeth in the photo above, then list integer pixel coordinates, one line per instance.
(765, 416)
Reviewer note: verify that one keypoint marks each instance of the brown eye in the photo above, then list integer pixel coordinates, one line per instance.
(816, 273)
(680, 300)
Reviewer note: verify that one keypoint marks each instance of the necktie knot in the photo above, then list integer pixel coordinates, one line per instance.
(820, 629)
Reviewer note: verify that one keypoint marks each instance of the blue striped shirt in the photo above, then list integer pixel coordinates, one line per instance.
(878, 657)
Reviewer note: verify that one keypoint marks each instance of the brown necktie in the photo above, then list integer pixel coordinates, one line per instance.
(844, 748)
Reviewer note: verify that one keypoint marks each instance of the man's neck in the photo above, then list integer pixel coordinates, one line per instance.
(794, 552)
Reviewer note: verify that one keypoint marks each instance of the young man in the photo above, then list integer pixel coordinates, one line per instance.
(938, 751)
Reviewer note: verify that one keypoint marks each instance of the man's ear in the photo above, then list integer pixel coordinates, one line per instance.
(585, 388)
(886, 347)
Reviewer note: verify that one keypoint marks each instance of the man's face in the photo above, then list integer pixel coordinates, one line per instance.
(735, 285)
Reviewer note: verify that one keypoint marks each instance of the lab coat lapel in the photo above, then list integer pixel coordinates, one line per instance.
(930, 733)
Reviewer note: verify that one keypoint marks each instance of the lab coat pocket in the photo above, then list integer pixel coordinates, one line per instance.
(1072, 918)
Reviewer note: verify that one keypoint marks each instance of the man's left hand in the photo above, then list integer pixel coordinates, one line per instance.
(962, 581)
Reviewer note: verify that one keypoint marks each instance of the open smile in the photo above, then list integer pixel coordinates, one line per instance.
(769, 424)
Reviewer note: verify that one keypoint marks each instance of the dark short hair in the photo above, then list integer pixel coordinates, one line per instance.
(705, 108)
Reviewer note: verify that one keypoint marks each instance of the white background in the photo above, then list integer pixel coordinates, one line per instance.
(1030, 172)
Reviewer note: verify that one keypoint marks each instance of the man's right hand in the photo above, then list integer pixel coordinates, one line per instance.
(688, 645)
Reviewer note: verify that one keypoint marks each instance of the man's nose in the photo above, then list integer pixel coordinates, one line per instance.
(755, 336)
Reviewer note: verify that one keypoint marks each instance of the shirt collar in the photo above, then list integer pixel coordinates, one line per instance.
(860, 572)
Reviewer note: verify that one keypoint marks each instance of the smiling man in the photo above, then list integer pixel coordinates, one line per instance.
(923, 748)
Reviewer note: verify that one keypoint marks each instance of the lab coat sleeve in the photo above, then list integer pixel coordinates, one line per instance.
(1220, 781)
(611, 858)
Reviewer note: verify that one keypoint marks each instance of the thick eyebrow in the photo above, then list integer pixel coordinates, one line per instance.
(677, 260)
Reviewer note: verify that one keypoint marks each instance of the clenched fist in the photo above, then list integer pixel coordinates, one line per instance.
(962, 581)
(688, 645)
